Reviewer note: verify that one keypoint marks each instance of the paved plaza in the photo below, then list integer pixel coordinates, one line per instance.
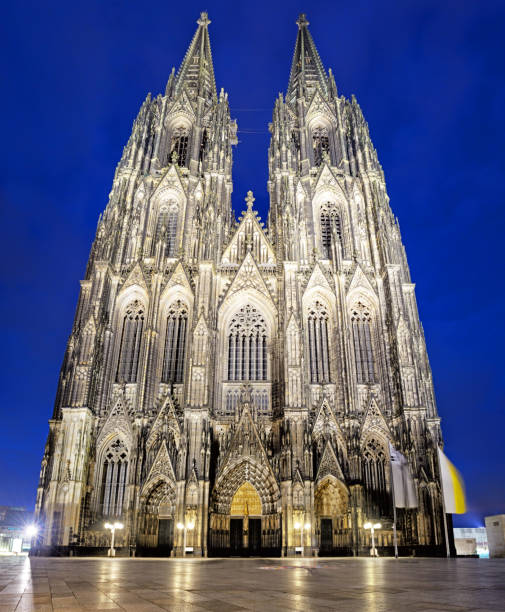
(223, 585)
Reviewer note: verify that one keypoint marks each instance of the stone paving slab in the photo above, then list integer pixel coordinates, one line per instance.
(230, 585)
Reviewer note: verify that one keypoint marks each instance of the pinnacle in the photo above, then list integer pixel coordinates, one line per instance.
(204, 20)
(250, 199)
(302, 22)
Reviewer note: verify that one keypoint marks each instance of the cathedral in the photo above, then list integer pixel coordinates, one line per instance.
(231, 387)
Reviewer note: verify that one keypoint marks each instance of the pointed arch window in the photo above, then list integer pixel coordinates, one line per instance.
(247, 345)
(319, 357)
(166, 228)
(331, 229)
(320, 144)
(114, 479)
(361, 322)
(374, 476)
(175, 344)
(180, 143)
(131, 338)
(203, 144)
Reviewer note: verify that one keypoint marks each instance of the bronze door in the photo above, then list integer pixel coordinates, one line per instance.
(236, 536)
(165, 536)
(254, 536)
(326, 536)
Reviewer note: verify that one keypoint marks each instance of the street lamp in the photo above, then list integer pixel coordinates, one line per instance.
(184, 528)
(112, 526)
(373, 527)
(302, 527)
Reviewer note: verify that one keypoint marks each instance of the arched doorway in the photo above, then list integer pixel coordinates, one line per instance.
(245, 521)
(333, 528)
(156, 521)
(244, 518)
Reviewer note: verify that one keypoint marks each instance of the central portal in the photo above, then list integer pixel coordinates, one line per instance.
(246, 531)
(245, 521)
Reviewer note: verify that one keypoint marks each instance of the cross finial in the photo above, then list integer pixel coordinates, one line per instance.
(302, 21)
(250, 199)
(204, 19)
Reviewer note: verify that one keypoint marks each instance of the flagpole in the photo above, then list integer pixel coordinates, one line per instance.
(448, 552)
(395, 538)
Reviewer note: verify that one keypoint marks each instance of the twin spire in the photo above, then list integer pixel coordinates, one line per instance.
(307, 69)
(196, 73)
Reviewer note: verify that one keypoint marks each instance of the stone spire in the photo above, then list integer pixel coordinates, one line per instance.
(196, 73)
(307, 69)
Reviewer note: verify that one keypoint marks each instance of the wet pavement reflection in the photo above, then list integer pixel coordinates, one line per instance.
(251, 584)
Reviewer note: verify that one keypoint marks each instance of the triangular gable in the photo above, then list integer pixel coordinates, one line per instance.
(183, 105)
(178, 278)
(327, 179)
(293, 325)
(329, 465)
(300, 191)
(318, 279)
(250, 228)
(297, 476)
(193, 477)
(246, 443)
(117, 423)
(135, 277)
(326, 422)
(248, 277)
(170, 180)
(375, 421)
(319, 106)
(90, 326)
(360, 281)
(201, 328)
(167, 416)
(162, 468)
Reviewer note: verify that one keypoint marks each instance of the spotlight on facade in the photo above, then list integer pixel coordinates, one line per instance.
(31, 531)
(113, 527)
(372, 527)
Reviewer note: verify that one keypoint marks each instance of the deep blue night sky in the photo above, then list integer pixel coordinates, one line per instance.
(429, 76)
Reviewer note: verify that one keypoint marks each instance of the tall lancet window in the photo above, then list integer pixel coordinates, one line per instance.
(175, 344)
(319, 357)
(320, 144)
(131, 338)
(361, 321)
(180, 143)
(114, 474)
(374, 475)
(203, 145)
(331, 229)
(247, 345)
(166, 228)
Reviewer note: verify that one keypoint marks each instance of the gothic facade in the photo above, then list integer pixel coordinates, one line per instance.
(238, 380)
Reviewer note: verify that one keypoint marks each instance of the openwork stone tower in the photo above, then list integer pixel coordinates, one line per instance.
(237, 379)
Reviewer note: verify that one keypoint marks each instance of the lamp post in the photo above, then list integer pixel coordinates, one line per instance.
(373, 527)
(184, 528)
(31, 532)
(112, 526)
(302, 527)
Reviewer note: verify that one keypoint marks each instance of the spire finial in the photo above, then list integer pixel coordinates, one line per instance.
(250, 199)
(302, 21)
(204, 19)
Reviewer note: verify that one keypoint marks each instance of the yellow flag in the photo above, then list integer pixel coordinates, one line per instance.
(453, 487)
